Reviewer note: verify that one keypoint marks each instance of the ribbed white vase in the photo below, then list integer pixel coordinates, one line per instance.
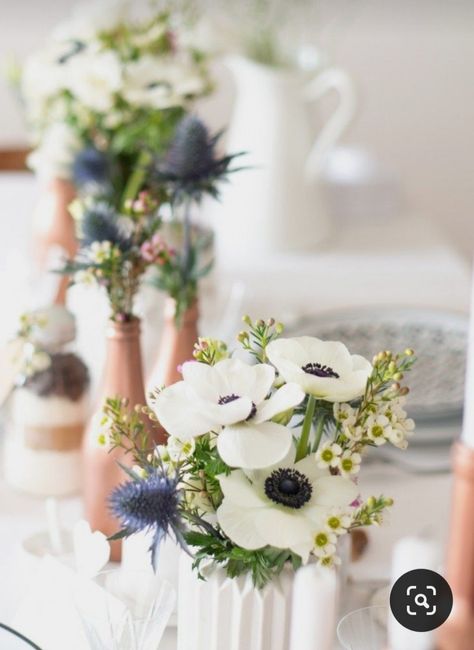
(296, 611)
(231, 614)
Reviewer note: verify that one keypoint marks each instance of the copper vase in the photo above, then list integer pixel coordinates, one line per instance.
(458, 631)
(177, 344)
(123, 376)
(53, 227)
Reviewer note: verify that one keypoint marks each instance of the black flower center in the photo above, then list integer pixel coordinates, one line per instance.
(288, 487)
(231, 398)
(319, 370)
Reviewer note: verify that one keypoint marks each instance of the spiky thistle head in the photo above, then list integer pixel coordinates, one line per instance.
(192, 167)
(149, 504)
(99, 223)
(91, 167)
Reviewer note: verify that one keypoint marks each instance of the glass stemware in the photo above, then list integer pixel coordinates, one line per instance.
(364, 629)
(124, 610)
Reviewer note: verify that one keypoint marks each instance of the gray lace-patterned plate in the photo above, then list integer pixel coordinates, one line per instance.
(439, 339)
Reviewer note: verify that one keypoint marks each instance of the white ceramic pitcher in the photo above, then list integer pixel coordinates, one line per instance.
(275, 205)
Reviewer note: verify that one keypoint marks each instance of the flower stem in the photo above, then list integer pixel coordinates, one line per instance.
(319, 432)
(137, 178)
(186, 239)
(302, 448)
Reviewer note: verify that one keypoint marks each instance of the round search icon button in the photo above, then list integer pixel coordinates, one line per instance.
(422, 601)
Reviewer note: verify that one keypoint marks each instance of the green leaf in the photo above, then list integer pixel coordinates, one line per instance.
(120, 535)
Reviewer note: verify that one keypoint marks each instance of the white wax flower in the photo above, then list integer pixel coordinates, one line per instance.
(349, 463)
(378, 429)
(324, 369)
(338, 521)
(179, 450)
(328, 454)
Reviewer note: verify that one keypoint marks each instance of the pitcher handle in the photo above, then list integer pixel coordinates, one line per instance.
(338, 80)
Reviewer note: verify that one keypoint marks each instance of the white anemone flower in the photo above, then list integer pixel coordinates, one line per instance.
(282, 506)
(324, 369)
(94, 78)
(230, 398)
(161, 83)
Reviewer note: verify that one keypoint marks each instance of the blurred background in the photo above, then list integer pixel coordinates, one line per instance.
(410, 63)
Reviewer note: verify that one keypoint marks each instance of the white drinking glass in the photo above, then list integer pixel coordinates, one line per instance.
(364, 629)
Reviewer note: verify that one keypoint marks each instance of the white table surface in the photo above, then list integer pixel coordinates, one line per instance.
(401, 262)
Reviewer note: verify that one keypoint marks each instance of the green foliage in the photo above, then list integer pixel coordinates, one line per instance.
(264, 564)
(370, 513)
(204, 466)
(125, 428)
(259, 335)
(150, 130)
(180, 274)
(210, 351)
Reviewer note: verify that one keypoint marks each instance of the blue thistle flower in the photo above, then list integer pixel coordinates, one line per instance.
(100, 223)
(91, 166)
(191, 167)
(149, 504)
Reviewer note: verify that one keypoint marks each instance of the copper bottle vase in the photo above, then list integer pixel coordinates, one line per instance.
(53, 228)
(177, 344)
(458, 631)
(123, 376)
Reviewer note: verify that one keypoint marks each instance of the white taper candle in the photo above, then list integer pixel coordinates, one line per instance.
(411, 553)
(313, 614)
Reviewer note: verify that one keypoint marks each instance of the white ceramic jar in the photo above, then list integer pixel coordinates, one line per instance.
(47, 414)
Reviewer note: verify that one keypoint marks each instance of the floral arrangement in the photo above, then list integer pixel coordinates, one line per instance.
(108, 87)
(116, 249)
(265, 445)
(118, 246)
(109, 104)
(41, 363)
(190, 169)
(31, 357)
